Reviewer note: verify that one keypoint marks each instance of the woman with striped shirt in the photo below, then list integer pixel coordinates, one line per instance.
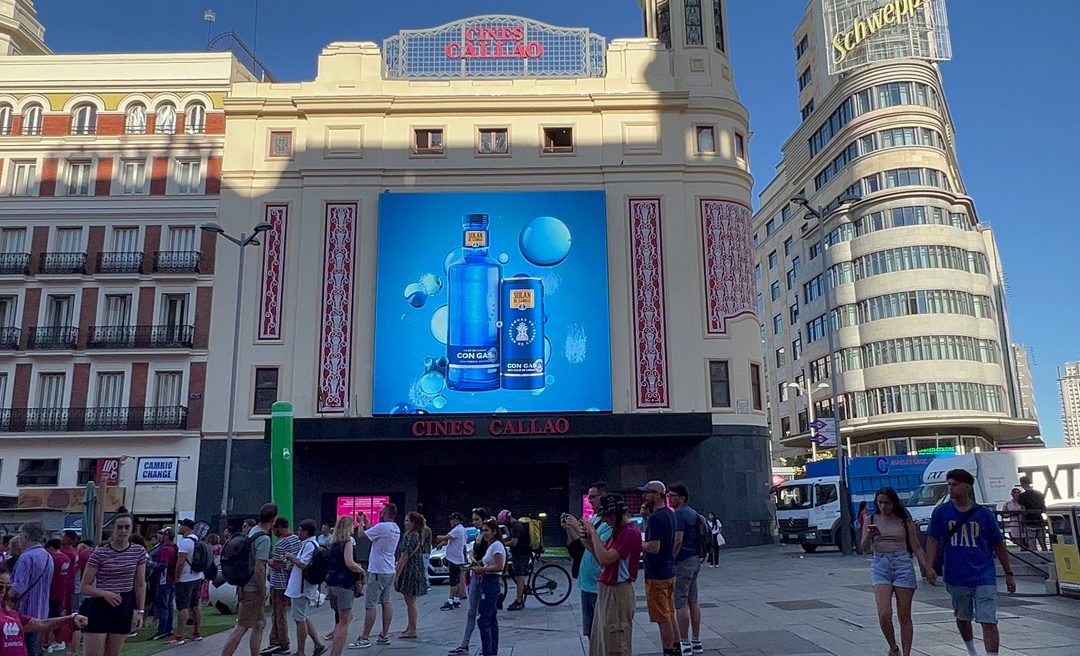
(114, 586)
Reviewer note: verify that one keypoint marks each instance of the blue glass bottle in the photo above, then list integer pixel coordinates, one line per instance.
(472, 349)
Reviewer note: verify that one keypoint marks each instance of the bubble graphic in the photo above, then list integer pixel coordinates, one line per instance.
(577, 344)
(501, 409)
(538, 392)
(432, 383)
(439, 402)
(503, 258)
(547, 350)
(407, 317)
(545, 241)
(415, 295)
(549, 380)
(592, 409)
(440, 322)
(552, 283)
(431, 283)
(402, 408)
(451, 257)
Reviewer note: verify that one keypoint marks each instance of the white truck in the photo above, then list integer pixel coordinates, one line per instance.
(1054, 472)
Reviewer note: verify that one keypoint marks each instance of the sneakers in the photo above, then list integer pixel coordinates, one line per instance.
(449, 605)
(319, 650)
(160, 636)
(462, 650)
(196, 637)
(176, 641)
(695, 646)
(517, 605)
(55, 647)
(382, 640)
(274, 649)
(686, 649)
(361, 643)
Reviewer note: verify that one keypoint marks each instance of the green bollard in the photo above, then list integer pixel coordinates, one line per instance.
(281, 454)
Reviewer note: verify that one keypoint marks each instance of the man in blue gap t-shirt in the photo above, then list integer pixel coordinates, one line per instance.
(687, 566)
(971, 539)
(659, 551)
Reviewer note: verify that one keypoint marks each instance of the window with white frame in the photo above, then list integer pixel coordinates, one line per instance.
(125, 240)
(740, 146)
(110, 390)
(68, 240)
(494, 141)
(24, 181)
(195, 119)
(3, 389)
(32, 120)
(168, 389)
(13, 240)
(188, 176)
(428, 141)
(9, 305)
(5, 118)
(50, 392)
(182, 238)
(174, 309)
(78, 177)
(135, 121)
(117, 310)
(165, 119)
(38, 471)
(59, 310)
(84, 119)
(706, 139)
(133, 176)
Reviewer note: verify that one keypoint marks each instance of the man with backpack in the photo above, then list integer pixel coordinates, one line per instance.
(970, 537)
(194, 557)
(688, 549)
(243, 563)
(303, 593)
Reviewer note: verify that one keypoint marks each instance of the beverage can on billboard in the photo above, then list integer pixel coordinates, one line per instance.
(472, 350)
(521, 334)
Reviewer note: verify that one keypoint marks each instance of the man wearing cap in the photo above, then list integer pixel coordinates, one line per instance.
(164, 570)
(455, 559)
(970, 536)
(619, 557)
(659, 550)
(520, 554)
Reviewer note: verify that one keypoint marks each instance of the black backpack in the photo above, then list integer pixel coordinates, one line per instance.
(704, 536)
(238, 558)
(202, 558)
(318, 567)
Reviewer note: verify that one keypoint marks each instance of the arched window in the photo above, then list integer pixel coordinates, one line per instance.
(135, 123)
(5, 119)
(718, 21)
(84, 119)
(166, 119)
(32, 119)
(694, 35)
(195, 121)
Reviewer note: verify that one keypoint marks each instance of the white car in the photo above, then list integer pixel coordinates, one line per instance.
(438, 568)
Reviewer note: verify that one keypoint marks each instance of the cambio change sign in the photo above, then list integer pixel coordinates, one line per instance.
(862, 32)
(157, 470)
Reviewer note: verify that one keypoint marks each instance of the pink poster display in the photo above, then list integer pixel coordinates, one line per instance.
(370, 506)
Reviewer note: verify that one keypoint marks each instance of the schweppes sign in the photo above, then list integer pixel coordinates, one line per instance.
(894, 12)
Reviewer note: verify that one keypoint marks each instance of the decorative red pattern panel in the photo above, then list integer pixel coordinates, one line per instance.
(336, 345)
(273, 273)
(729, 267)
(650, 333)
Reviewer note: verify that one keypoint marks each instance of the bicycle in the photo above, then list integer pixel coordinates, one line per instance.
(550, 583)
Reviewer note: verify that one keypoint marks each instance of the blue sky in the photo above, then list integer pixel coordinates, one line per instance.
(1014, 110)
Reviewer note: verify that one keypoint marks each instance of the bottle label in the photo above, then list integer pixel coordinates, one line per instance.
(522, 299)
(472, 356)
(476, 239)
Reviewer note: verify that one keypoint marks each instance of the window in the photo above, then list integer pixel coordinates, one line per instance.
(812, 289)
(706, 139)
(110, 390)
(68, 240)
(165, 121)
(780, 359)
(807, 109)
(13, 240)
(87, 470)
(59, 310)
(281, 143)
(815, 250)
(5, 119)
(182, 238)
(796, 349)
(50, 393)
(719, 384)
(493, 141)
(757, 272)
(34, 472)
(195, 120)
(793, 314)
(78, 180)
(135, 121)
(755, 386)
(804, 78)
(125, 240)
(168, 389)
(760, 304)
(774, 290)
(174, 310)
(694, 35)
(785, 426)
(770, 227)
(718, 21)
(663, 22)
(32, 120)
(804, 45)
(24, 180)
(816, 329)
(266, 389)
(788, 244)
(782, 392)
(8, 309)
(740, 146)
(558, 140)
(428, 141)
(133, 176)
(778, 324)
(772, 260)
(84, 119)
(188, 176)
(117, 310)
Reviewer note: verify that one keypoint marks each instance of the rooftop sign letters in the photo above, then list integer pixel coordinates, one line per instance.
(862, 32)
(494, 47)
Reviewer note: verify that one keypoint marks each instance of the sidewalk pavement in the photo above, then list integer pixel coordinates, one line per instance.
(760, 601)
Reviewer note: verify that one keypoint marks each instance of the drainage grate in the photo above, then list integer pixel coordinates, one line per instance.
(805, 604)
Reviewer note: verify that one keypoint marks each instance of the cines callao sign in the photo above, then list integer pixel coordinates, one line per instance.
(894, 12)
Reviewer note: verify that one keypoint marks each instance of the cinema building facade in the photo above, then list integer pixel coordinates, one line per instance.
(504, 259)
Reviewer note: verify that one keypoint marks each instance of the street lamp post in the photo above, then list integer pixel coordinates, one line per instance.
(809, 407)
(845, 504)
(242, 242)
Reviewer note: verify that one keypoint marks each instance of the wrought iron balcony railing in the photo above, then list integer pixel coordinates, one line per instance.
(27, 420)
(53, 337)
(176, 261)
(9, 337)
(63, 263)
(119, 262)
(15, 264)
(123, 337)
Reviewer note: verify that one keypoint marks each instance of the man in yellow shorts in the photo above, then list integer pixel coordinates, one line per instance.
(660, 563)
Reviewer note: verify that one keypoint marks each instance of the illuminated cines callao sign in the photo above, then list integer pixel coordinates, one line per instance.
(894, 12)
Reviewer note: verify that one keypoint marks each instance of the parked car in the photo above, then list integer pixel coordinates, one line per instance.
(438, 568)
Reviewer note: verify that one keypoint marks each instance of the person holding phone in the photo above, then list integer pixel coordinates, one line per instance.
(892, 536)
(488, 572)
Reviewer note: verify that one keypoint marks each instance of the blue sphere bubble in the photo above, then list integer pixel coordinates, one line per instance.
(440, 324)
(407, 317)
(545, 241)
(439, 402)
(501, 409)
(402, 409)
(547, 350)
(432, 383)
(431, 283)
(503, 258)
(451, 257)
(549, 380)
(415, 295)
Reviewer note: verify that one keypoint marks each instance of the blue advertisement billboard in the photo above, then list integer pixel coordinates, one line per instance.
(492, 302)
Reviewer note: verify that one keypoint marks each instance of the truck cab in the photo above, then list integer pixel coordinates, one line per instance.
(808, 511)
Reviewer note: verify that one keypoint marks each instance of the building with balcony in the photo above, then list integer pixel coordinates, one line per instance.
(900, 303)
(108, 164)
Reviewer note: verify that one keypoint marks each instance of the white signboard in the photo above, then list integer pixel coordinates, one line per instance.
(823, 432)
(157, 470)
(861, 32)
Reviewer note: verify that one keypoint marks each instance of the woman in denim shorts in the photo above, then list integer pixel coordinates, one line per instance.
(892, 536)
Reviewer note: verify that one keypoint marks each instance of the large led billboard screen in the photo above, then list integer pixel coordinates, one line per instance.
(492, 302)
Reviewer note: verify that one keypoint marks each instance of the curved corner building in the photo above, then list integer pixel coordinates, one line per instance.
(909, 278)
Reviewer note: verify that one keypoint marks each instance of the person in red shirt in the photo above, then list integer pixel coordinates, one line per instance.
(62, 573)
(14, 626)
(68, 545)
(619, 558)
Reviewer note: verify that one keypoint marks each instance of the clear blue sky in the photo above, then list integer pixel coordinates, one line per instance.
(1008, 89)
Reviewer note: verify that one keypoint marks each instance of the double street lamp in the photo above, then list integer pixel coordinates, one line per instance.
(242, 242)
(809, 407)
(821, 214)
